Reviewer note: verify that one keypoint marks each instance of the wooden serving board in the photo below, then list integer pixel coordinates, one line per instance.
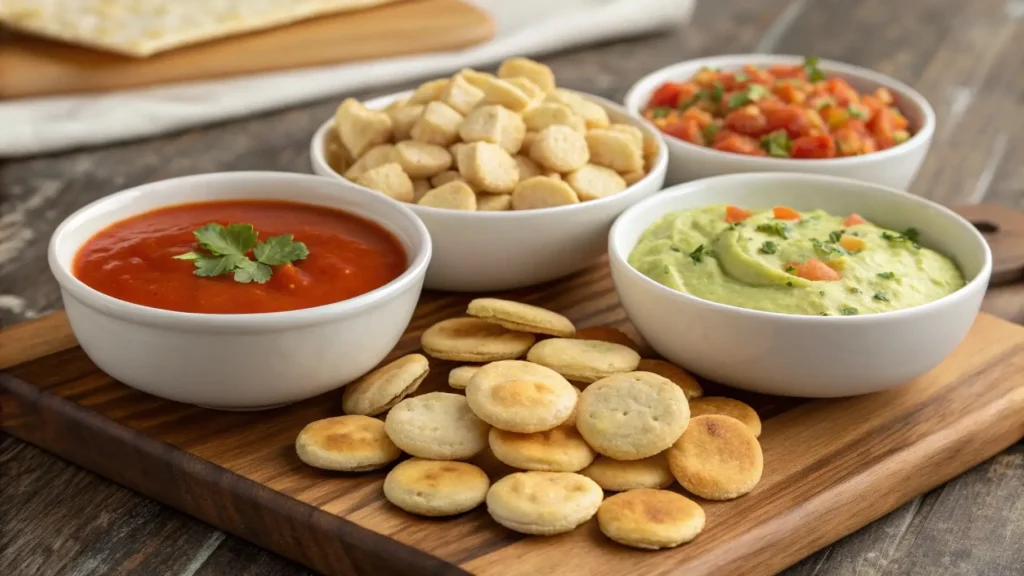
(33, 67)
(831, 466)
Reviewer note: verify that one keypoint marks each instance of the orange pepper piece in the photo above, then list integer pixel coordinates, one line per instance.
(853, 220)
(734, 214)
(816, 270)
(785, 213)
(852, 243)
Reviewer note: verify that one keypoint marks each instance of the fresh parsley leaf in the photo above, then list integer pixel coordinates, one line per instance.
(790, 268)
(814, 74)
(674, 249)
(780, 229)
(893, 237)
(881, 297)
(717, 91)
(911, 234)
(777, 144)
(698, 254)
(660, 112)
(827, 249)
(229, 246)
(836, 235)
(752, 93)
(710, 131)
(769, 247)
(849, 311)
(824, 102)
(886, 275)
(693, 100)
(855, 112)
(821, 292)
(854, 290)
(790, 284)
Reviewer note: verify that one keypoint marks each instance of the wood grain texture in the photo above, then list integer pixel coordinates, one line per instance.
(832, 466)
(34, 67)
(963, 56)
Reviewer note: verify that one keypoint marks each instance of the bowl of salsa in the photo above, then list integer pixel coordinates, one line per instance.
(240, 290)
(757, 112)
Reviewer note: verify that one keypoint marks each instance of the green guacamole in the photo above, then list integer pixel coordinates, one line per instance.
(751, 264)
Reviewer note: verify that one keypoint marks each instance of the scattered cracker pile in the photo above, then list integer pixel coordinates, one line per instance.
(582, 415)
(477, 141)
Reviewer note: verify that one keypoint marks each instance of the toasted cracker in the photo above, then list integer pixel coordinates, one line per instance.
(521, 317)
(727, 407)
(461, 95)
(361, 128)
(542, 192)
(381, 389)
(592, 113)
(543, 115)
(543, 503)
(650, 519)
(520, 396)
(419, 188)
(373, 157)
(347, 443)
(390, 180)
(614, 149)
(439, 124)
(494, 124)
(456, 195)
(474, 340)
(717, 458)
(583, 360)
(593, 182)
(607, 334)
(421, 160)
(488, 168)
(621, 475)
(403, 119)
(142, 28)
(559, 148)
(436, 426)
(335, 153)
(680, 377)
(459, 377)
(429, 91)
(538, 74)
(561, 449)
(527, 168)
(632, 415)
(436, 487)
(493, 202)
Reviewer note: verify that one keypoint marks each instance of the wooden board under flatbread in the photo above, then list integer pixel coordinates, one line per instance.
(32, 66)
(831, 466)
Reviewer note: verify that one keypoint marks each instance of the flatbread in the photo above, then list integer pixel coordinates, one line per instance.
(142, 28)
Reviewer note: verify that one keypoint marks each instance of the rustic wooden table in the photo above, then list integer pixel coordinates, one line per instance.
(964, 56)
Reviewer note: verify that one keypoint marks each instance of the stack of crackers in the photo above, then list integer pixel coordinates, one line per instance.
(582, 415)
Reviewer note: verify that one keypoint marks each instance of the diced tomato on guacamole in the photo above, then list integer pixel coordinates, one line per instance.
(779, 111)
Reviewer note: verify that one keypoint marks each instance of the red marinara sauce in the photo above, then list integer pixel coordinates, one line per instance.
(133, 260)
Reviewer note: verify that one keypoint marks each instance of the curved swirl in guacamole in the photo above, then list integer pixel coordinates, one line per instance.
(810, 263)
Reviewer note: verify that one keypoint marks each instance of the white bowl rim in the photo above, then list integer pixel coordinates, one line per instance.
(232, 322)
(782, 177)
(635, 99)
(316, 153)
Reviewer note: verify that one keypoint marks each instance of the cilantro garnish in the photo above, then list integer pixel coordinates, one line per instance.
(886, 275)
(855, 113)
(854, 290)
(780, 229)
(908, 235)
(777, 144)
(814, 74)
(911, 234)
(742, 77)
(835, 235)
(849, 311)
(710, 131)
(881, 297)
(660, 112)
(753, 93)
(698, 254)
(769, 247)
(227, 247)
(826, 249)
(790, 268)
(717, 91)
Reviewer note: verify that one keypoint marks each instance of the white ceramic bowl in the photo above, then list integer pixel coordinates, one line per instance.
(240, 361)
(791, 355)
(895, 167)
(489, 251)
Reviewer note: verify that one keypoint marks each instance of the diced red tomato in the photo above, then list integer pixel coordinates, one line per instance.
(747, 120)
(785, 213)
(687, 95)
(688, 130)
(853, 220)
(816, 270)
(666, 95)
(790, 94)
(789, 118)
(841, 91)
(884, 96)
(758, 75)
(881, 127)
(848, 142)
(787, 71)
(706, 77)
(740, 144)
(820, 146)
(734, 214)
(701, 117)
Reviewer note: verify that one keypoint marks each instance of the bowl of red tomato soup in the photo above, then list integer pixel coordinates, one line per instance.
(777, 113)
(240, 290)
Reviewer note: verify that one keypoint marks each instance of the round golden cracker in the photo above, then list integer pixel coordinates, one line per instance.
(571, 420)
(547, 114)
(542, 192)
(621, 475)
(527, 168)
(607, 334)
(436, 426)
(381, 389)
(487, 167)
(727, 407)
(537, 73)
(421, 160)
(592, 182)
(520, 396)
(543, 503)
(459, 377)
(632, 415)
(521, 317)
(390, 180)
(681, 377)
(614, 149)
(493, 202)
(559, 148)
(561, 449)
(456, 195)
(650, 519)
(474, 340)
(436, 487)
(717, 458)
(377, 156)
(347, 443)
(583, 360)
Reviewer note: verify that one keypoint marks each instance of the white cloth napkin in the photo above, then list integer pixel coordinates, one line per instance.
(524, 27)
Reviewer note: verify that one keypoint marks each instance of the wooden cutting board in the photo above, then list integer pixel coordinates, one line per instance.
(831, 466)
(34, 67)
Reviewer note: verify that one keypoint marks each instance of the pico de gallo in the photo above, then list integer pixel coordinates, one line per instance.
(785, 111)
